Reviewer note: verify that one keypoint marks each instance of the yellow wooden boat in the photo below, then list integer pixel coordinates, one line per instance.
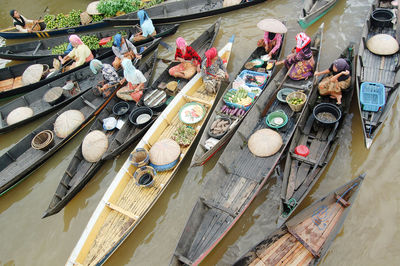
(125, 203)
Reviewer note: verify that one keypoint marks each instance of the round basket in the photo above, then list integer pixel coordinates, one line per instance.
(139, 157)
(296, 94)
(144, 176)
(218, 136)
(120, 108)
(44, 140)
(46, 70)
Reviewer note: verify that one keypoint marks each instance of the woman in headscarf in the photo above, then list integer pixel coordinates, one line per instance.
(213, 71)
(110, 76)
(338, 79)
(271, 42)
(123, 48)
(190, 60)
(146, 25)
(80, 53)
(22, 24)
(302, 60)
(135, 79)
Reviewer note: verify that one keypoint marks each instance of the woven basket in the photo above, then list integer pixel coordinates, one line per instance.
(141, 179)
(296, 94)
(44, 140)
(139, 158)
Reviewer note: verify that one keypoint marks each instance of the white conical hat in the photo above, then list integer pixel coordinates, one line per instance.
(67, 122)
(92, 8)
(32, 74)
(164, 152)
(272, 25)
(382, 44)
(265, 142)
(19, 114)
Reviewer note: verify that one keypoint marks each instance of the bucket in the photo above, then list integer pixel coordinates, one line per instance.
(382, 17)
(144, 176)
(276, 119)
(139, 158)
(330, 110)
(120, 108)
(298, 95)
(43, 141)
(141, 116)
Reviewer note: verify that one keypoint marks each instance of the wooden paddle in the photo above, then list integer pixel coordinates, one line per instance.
(44, 11)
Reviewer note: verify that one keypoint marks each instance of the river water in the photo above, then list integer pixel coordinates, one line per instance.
(370, 235)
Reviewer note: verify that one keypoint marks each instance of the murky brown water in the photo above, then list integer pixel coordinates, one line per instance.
(370, 235)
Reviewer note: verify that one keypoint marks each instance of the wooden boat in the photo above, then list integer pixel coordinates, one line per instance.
(301, 173)
(376, 69)
(306, 238)
(238, 176)
(83, 80)
(79, 172)
(202, 154)
(125, 203)
(313, 10)
(22, 159)
(201, 44)
(181, 11)
(42, 48)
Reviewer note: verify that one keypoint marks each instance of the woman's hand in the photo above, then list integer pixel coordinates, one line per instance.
(333, 79)
(316, 73)
(226, 76)
(260, 43)
(270, 54)
(180, 59)
(138, 56)
(122, 81)
(345, 72)
(198, 68)
(277, 63)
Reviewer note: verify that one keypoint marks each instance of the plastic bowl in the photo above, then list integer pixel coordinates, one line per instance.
(120, 108)
(283, 93)
(329, 108)
(138, 112)
(273, 119)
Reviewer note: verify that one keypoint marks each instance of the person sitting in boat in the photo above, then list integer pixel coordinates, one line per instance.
(190, 60)
(80, 54)
(338, 79)
(146, 25)
(213, 71)
(22, 24)
(110, 76)
(123, 48)
(301, 62)
(135, 79)
(272, 40)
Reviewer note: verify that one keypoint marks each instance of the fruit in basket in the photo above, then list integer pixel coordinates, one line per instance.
(245, 101)
(296, 101)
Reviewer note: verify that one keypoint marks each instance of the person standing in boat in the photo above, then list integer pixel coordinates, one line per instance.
(22, 24)
(110, 76)
(189, 59)
(338, 79)
(272, 40)
(123, 48)
(301, 62)
(213, 71)
(135, 79)
(80, 53)
(146, 25)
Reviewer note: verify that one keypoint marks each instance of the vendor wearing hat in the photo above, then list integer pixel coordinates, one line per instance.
(272, 40)
(338, 79)
(123, 48)
(301, 62)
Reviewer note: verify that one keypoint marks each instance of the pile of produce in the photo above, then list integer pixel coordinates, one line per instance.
(72, 19)
(219, 126)
(232, 111)
(112, 8)
(254, 80)
(296, 101)
(184, 135)
(238, 96)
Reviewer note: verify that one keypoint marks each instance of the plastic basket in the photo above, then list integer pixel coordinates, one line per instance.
(372, 96)
(236, 105)
(244, 73)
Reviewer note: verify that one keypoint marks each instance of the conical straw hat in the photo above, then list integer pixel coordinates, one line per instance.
(265, 142)
(272, 25)
(382, 44)
(92, 8)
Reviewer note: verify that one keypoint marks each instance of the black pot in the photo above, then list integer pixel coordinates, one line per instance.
(120, 108)
(138, 111)
(382, 17)
(329, 108)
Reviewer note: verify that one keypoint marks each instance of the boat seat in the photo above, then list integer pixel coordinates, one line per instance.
(342, 201)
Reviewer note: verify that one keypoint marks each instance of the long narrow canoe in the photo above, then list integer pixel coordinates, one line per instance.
(79, 171)
(202, 154)
(184, 10)
(376, 69)
(306, 238)
(301, 173)
(41, 48)
(125, 137)
(83, 79)
(313, 10)
(237, 178)
(125, 203)
(21, 160)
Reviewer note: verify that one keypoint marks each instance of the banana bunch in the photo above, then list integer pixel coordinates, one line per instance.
(245, 101)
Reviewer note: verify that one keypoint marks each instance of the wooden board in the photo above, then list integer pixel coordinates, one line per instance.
(6, 84)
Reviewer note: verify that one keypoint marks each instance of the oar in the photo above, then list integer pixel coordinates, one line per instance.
(44, 11)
